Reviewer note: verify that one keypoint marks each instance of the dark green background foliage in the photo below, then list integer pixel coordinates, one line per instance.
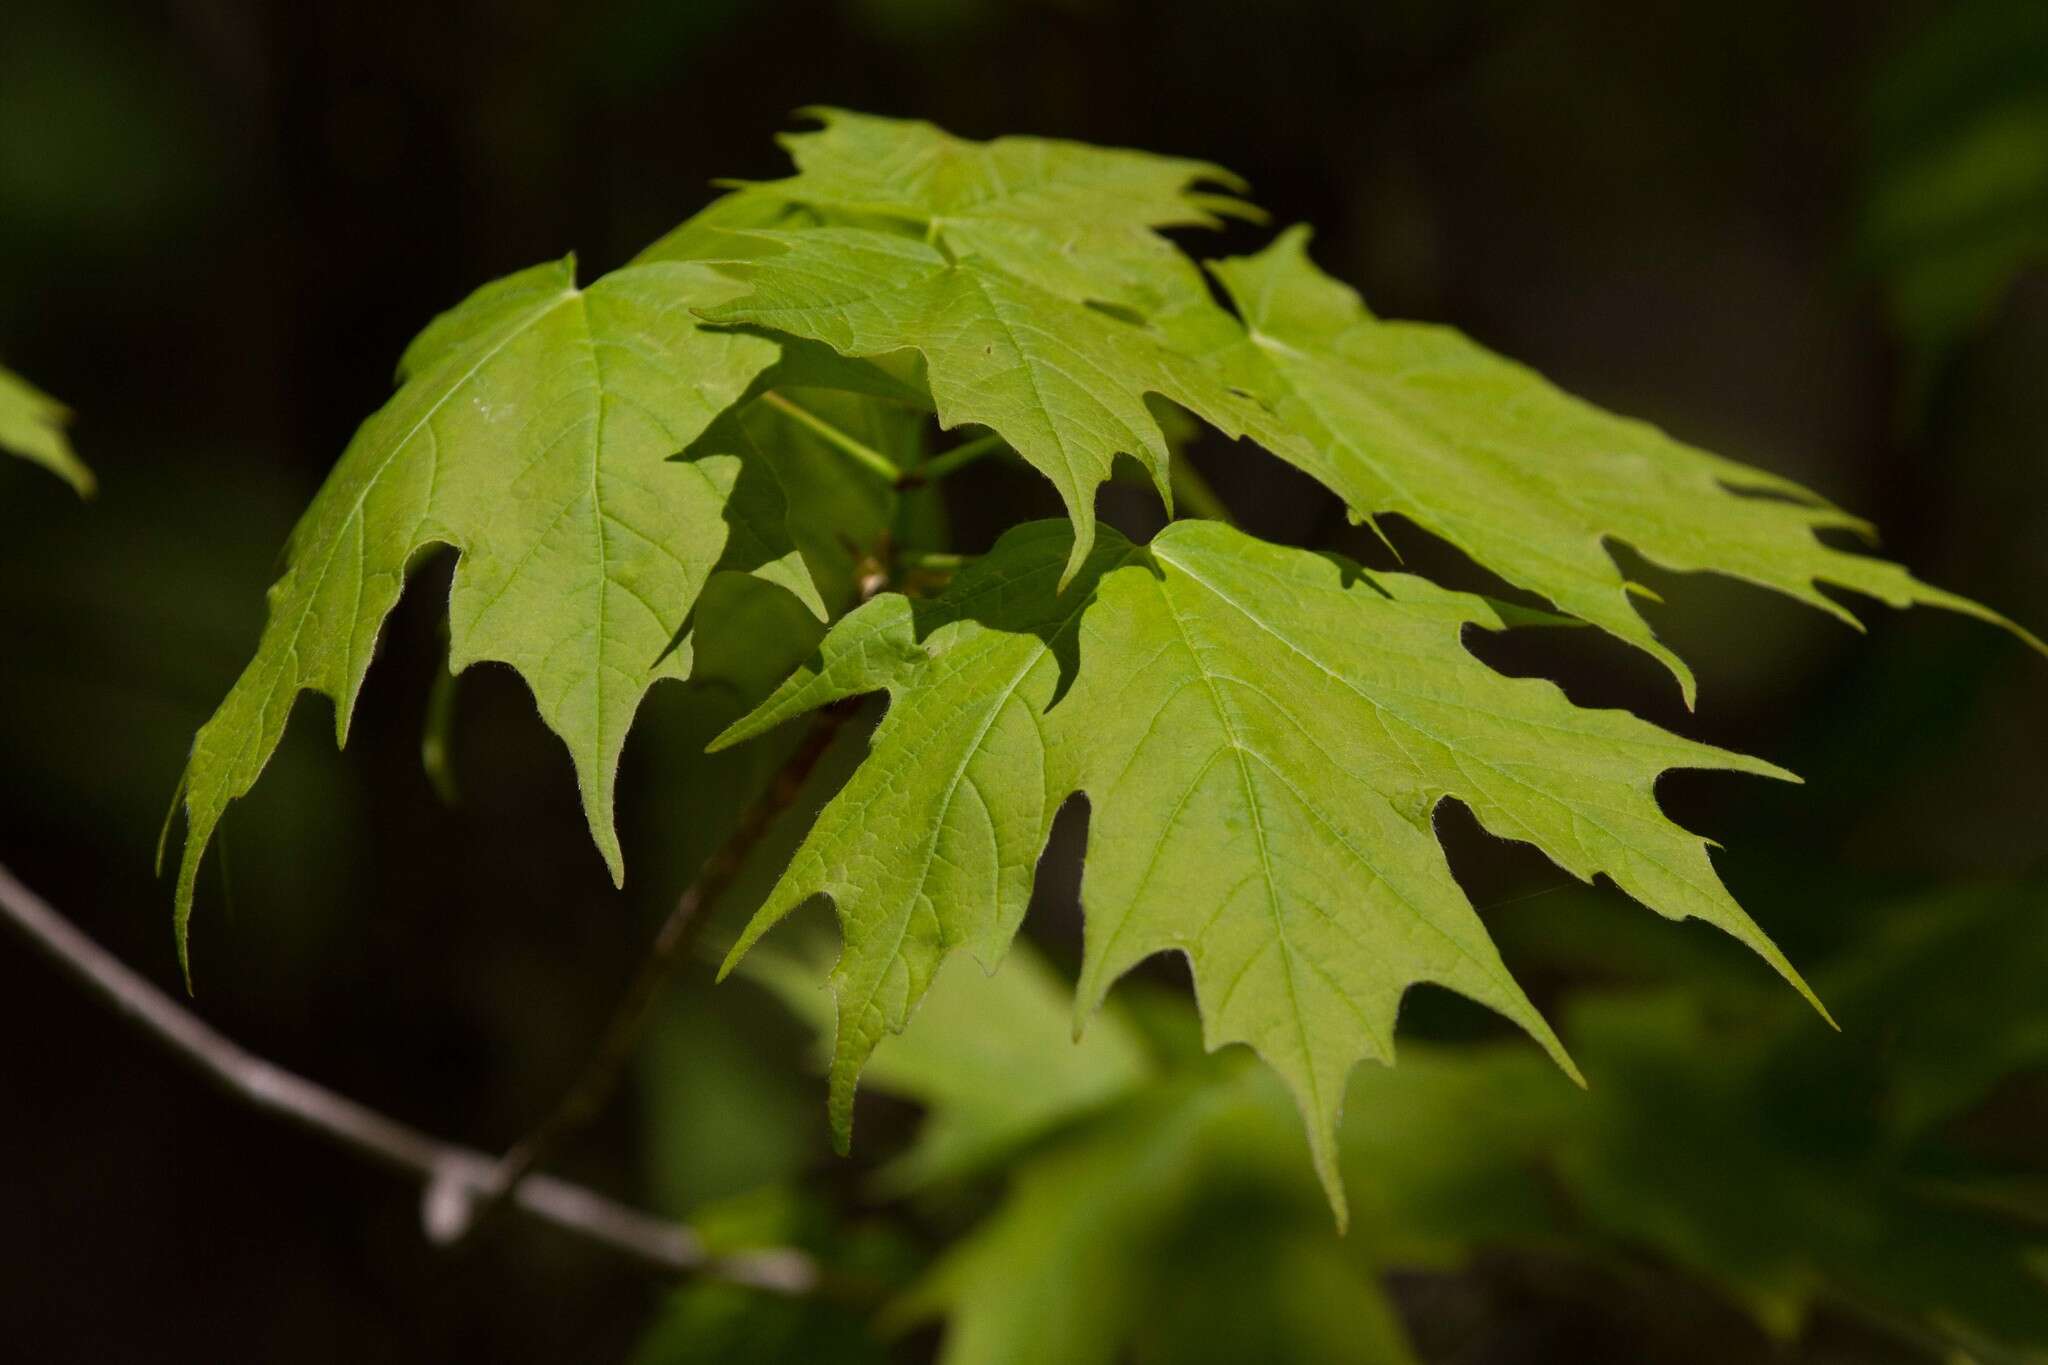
(1800, 236)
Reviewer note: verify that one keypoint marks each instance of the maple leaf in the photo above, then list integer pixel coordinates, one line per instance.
(1531, 482)
(1075, 220)
(32, 426)
(1263, 735)
(740, 225)
(535, 432)
(1064, 384)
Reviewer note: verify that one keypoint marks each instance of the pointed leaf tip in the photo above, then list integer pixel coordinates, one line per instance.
(1528, 480)
(32, 426)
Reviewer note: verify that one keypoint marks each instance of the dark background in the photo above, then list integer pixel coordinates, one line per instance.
(220, 222)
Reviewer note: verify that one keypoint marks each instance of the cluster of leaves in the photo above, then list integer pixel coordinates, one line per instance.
(32, 426)
(1263, 733)
(1148, 1204)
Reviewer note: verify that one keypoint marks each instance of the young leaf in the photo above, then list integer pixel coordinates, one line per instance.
(32, 426)
(535, 432)
(1063, 383)
(1263, 735)
(1526, 479)
(730, 227)
(1074, 220)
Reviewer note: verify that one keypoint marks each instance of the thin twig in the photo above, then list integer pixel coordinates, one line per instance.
(455, 1176)
(594, 1085)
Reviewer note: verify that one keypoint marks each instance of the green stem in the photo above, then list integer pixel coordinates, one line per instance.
(859, 452)
(1193, 496)
(959, 457)
(933, 561)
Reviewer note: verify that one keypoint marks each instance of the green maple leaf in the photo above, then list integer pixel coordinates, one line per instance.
(1529, 481)
(715, 231)
(32, 426)
(1065, 384)
(1077, 221)
(1263, 735)
(536, 432)
(735, 225)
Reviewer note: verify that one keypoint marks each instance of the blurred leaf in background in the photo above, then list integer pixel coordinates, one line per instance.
(1155, 1204)
(988, 1090)
(714, 1324)
(104, 140)
(32, 426)
(1955, 195)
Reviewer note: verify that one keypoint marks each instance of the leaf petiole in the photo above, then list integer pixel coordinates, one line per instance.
(862, 454)
(958, 458)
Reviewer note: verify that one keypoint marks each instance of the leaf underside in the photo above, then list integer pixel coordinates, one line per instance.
(1263, 735)
(1031, 279)
(1529, 481)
